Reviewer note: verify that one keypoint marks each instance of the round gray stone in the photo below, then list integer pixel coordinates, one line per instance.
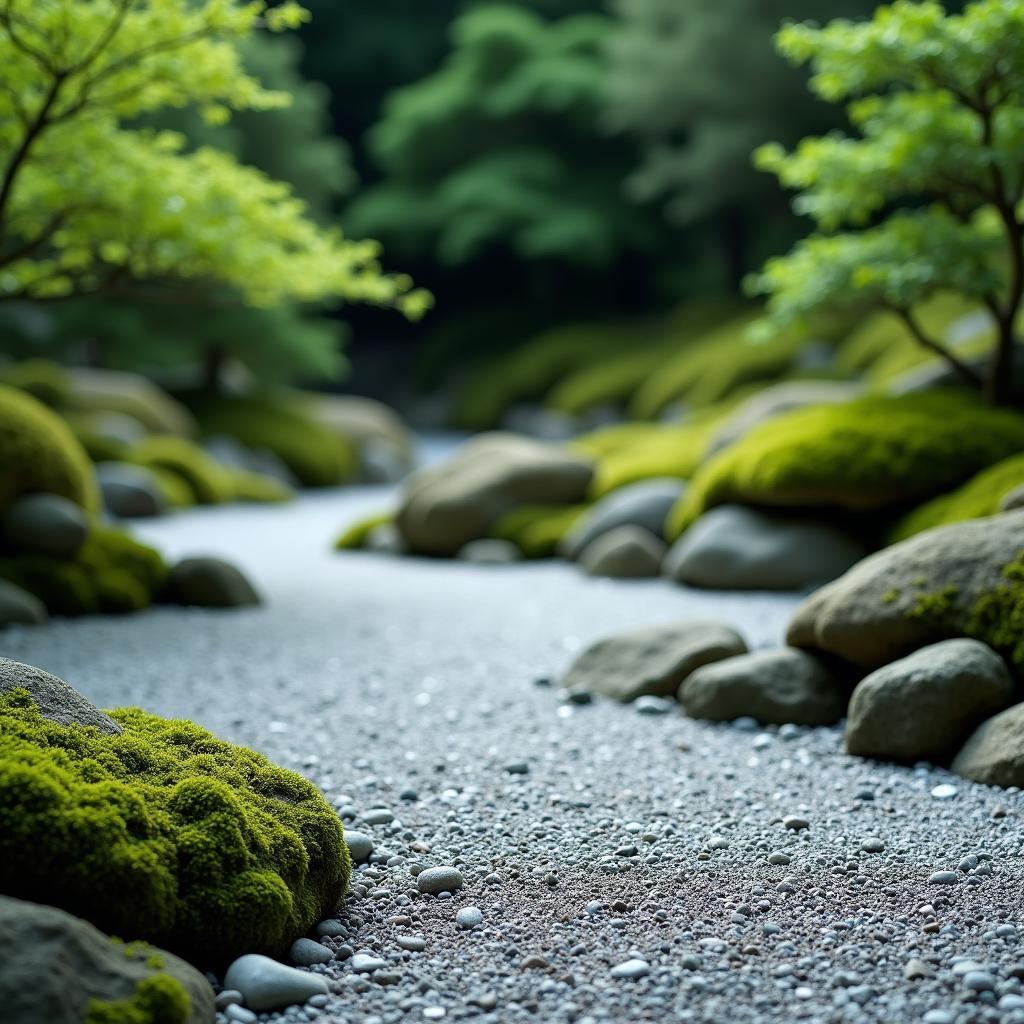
(46, 524)
(439, 879)
(266, 984)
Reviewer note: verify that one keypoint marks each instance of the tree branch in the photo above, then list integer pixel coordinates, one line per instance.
(967, 373)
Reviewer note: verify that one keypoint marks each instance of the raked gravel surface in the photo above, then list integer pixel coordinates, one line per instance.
(616, 865)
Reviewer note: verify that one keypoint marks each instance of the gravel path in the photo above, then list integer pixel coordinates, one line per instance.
(625, 867)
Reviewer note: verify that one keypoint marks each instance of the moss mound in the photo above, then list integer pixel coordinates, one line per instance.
(354, 537)
(42, 379)
(164, 833)
(111, 573)
(39, 453)
(979, 497)
(245, 485)
(317, 455)
(869, 454)
(537, 529)
(205, 477)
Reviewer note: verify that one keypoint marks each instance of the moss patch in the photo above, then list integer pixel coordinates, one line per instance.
(870, 454)
(43, 379)
(159, 999)
(979, 497)
(317, 455)
(354, 537)
(110, 573)
(164, 833)
(39, 453)
(537, 529)
(205, 477)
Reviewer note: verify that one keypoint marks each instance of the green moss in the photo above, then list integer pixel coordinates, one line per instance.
(245, 485)
(998, 617)
(354, 537)
(42, 379)
(206, 478)
(534, 368)
(935, 605)
(110, 573)
(39, 453)
(979, 497)
(870, 454)
(158, 999)
(537, 529)
(316, 454)
(661, 451)
(174, 488)
(891, 596)
(164, 833)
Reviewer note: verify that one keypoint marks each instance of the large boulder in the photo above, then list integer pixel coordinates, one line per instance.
(961, 580)
(627, 552)
(994, 753)
(20, 608)
(56, 700)
(777, 399)
(209, 583)
(447, 507)
(651, 661)
(924, 705)
(775, 687)
(733, 547)
(58, 969)
(645, 504)
(45, 524)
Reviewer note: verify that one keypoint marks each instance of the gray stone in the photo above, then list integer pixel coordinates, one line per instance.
(645, 504)
(925, 705)
(879, 611)
(651, 661)
(306, 952)
(54, 965)
(364, 963)
(469, 918)
(775, 687)
(266, 984)
(130, 491)
(490, 551)
(439, 879)
(385, 539)
(20, 608)
(626, 552)
(45, 524)
(360, 845)
(130, 394)
(445, 507)
(381, 461)
(634, 968)
(209, 583)
(734, 547)
(994, 752)
(55, 699)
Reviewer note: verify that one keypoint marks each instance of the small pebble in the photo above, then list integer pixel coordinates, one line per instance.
(634, 968)
(439, 879)
(469, 918)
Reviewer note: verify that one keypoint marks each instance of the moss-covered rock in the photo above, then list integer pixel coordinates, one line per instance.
(317, 454)
(258, 488)
(58, 969)
(39, 453)
(966, 579)
(982, 495)
(111, 573)
(130, 394)
(870, 454)
(164, 833)
(206, 478)
(537, 530)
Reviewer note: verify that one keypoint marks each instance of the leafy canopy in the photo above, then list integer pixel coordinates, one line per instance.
(927, 196)
(92, 201)
(499, 148)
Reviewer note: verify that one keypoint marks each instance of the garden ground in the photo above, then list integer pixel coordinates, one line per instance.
(626, 866)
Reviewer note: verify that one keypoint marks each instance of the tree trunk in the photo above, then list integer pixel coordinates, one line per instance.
(213, 367)
(999, 387)
(735, 238)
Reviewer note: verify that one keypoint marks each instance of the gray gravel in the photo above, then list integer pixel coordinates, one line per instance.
(644, 867)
